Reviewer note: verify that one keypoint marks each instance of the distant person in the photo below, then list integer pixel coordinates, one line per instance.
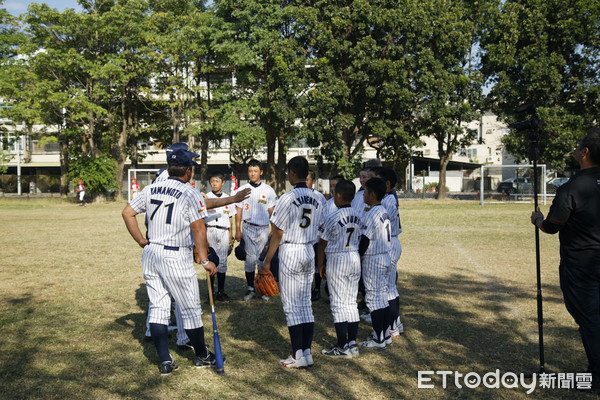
(574, 213)
(135, 188)
(81, 192)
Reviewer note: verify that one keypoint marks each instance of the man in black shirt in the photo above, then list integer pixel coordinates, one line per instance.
(575, 213)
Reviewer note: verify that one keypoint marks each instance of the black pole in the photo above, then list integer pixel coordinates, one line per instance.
(534, 135)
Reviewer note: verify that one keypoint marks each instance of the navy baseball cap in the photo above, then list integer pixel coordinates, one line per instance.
(182, 158)
(175, 146)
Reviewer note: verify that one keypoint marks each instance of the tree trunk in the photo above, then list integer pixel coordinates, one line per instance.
(64, 167)
(119, 150)
(270, 173)
(444, 160)
(203, 162)
(280, 177)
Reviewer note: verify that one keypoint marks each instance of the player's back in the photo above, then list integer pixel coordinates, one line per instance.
(376, 226)
(170, 206)
(342, 230)
(298, 213)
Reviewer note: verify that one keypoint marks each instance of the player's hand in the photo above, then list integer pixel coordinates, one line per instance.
(266, 266)
(242, 195)
(143, 242)
(211, 268)
(322, 271)
(238, 236)
(535, 215)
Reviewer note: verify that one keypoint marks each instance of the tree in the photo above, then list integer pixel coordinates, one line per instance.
(358, 79)
(447, 82)
(269, 73)
(547, 54)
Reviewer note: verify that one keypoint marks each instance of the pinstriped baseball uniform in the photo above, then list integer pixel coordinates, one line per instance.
(342, 231)
(390, 203)
(217, 231)
(376, 260)
(298, 214)
(358, 203)
(330, 207)
(255, 217)
(167, 261)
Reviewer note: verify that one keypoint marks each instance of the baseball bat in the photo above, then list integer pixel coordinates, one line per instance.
(216, 340)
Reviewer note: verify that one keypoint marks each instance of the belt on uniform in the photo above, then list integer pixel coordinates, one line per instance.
(173, 248)
(250, 223)
(218, 227)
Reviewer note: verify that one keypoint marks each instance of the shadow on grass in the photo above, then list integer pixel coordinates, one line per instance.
(452, 323)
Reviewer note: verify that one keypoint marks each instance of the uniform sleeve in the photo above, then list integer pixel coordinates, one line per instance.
(367, 227)
(272, 200)
(195, 207)
(280, 213)
(560, 210)
(138, 203)
(326, 228)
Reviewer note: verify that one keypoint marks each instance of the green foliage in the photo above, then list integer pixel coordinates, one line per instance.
(98, 174)
(547, 54)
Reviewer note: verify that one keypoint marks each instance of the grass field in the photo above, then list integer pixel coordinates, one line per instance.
(73, 309)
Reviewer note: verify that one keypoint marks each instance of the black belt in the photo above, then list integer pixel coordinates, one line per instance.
(250, 223)
(218, 227)
(171, 248)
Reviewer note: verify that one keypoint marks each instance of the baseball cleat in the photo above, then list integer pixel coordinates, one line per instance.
(309, 360)
(388, 340)
(291, 362)
(371, 343)
(249, 294)
(336, 352)
(395, 332)
(354, 350)
(186, 346)
(222, 296)
(166, 367)
(205, 362)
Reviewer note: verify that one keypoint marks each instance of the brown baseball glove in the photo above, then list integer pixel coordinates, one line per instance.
(265, 284)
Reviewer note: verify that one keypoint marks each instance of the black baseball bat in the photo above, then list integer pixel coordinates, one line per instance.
(216, 340)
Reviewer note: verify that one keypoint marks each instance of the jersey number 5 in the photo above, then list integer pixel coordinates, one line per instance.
(306, 212)
(168, 206)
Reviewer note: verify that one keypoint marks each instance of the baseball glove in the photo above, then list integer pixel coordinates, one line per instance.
(265, 284)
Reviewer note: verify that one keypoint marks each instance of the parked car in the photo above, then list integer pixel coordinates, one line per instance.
(555, 183)
(520, 184)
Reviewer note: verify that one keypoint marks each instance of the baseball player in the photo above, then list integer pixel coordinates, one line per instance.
(358, 202)
(374, 249)
(81, 192)
(219, 232)
(295, 223)
(330, 205)
(173, 208)
(183, 341)
(254, 213)
(390, 203)
(316, 291)
(340, 236)
(135, 187)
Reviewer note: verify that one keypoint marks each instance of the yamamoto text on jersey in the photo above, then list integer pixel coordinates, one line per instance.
(166, 190)
(306, 200)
